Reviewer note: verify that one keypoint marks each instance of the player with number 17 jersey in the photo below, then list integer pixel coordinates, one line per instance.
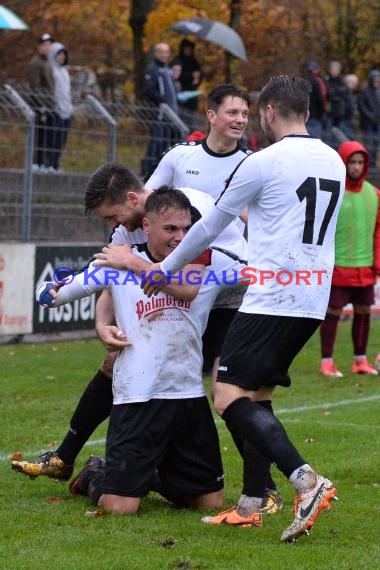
(291, 226)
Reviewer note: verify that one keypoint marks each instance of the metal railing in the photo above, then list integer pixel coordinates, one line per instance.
(40, 203)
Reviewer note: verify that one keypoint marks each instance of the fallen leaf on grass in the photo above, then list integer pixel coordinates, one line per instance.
(95, 513)
(16, 456)
(50, 377)
(309, 440)
(54, 500)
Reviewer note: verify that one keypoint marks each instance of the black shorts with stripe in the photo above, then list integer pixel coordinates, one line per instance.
(259, 349)
(176, 438)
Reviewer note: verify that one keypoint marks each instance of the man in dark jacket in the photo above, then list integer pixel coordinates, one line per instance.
(41, 82)
(159, 87)
(369, 112)
(318, 99)
(340, 104)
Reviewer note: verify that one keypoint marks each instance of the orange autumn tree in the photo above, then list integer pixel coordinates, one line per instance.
(279, 35)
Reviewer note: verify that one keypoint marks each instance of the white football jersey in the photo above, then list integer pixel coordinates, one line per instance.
(230, 239)
(165, 359)
(293, 189)
(194, 165)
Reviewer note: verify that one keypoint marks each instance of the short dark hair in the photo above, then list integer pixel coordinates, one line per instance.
(217, 95)
(290, 95)
(166, 197)
(110, 182)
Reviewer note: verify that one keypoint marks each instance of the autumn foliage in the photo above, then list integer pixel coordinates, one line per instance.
(278, 35)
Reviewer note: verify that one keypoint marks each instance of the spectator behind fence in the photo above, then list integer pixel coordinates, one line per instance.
(369, 112)
(318, 99)
(41, 82)
(352, 121)
(159, 87)
(339, 103)
(63, 107)
(190, 76)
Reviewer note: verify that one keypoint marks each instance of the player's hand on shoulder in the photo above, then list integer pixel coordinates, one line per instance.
(114, 255)
(154, 280)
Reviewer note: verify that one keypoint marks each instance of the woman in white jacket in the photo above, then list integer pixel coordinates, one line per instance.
(63, 107)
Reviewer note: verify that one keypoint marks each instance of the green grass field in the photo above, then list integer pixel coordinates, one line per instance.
(334, 423)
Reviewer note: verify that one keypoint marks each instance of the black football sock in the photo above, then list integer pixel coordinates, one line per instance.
(93, 408)
(270, 482)
(256, 473)
(328, 330)
(264, 431)
(360, 332)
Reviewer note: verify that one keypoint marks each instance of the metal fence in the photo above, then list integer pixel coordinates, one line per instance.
(43, 204)
(40, 203)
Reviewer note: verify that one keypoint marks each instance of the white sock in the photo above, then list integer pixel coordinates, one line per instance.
(303, 478)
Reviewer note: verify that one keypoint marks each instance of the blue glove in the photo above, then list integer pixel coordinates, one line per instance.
(43, 296)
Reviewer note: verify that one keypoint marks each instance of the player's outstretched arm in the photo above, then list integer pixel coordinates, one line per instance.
(50, 294)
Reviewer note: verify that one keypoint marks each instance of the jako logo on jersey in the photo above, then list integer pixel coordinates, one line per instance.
(196, 172)
(145, 309)
(222, 368)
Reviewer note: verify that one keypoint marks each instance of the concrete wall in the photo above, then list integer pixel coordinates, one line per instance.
(57, 208)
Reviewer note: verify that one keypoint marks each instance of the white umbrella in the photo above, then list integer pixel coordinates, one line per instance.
(9, 20)
(215, 32)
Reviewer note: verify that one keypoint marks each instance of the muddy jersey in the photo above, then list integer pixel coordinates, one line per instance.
(165, 359)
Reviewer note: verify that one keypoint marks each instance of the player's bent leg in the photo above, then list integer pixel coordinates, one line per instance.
(225, 394)
(119, 505)
(207, 501)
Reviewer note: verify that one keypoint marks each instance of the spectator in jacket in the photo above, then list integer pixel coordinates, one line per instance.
(41, 82)
(317, 100)
(357, 261)
(352, 121)
(159, 87)
(63, 107)
(369, 112)
(339, 101)
(191, 75)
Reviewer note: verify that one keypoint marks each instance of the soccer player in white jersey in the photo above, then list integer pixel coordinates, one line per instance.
(293, 189)
(118, 196)
(207, 165)
(160, 421)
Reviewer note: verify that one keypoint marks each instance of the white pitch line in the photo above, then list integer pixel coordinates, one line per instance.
(324, 405)
(330, 423)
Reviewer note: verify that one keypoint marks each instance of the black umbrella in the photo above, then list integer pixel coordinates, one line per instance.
(215, 32)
